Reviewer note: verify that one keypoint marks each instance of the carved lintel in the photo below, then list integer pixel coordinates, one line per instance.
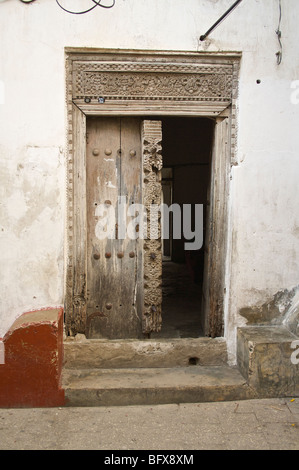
(123, 81)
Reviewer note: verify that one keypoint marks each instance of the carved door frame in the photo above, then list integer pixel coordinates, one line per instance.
(148, 83)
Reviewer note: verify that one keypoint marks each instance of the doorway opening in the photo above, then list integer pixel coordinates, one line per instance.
(186, 175)
(191, 86)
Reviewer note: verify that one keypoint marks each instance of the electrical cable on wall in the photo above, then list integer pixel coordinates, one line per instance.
(97, 3)
(278, 32)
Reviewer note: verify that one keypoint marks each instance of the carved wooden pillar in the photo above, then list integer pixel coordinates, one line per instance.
(152, 166)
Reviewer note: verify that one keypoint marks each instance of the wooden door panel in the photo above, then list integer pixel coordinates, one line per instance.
(113, 260)
(216, 229)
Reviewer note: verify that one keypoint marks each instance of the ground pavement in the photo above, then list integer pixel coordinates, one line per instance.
(267, 424)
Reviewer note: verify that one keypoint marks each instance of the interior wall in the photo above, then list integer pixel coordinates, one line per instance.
(187, 145)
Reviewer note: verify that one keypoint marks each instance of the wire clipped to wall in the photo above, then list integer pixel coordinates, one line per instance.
(96, 3)
(278, 32)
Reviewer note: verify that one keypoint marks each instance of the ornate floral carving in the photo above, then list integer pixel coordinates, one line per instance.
(215, 84)
(152, 157)
(152, 166)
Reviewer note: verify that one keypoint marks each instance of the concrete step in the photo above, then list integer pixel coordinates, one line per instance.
(152, 386)
(82, 353)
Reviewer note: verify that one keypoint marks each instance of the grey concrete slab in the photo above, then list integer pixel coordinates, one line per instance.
(117, 387)
(268, 424)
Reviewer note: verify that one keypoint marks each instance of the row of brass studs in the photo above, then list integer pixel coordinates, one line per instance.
(108, 152)
(119, 255)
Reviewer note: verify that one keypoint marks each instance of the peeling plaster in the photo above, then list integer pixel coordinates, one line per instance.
(274, 310)
(32, 195)
(291, 319)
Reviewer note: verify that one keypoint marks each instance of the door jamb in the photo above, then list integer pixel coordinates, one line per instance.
(78, 109)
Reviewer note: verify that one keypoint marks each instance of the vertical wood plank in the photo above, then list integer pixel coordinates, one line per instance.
(131, 192)
(216, 236)
(78, 312)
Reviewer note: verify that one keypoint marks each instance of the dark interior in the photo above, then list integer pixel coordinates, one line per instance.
(186, 150)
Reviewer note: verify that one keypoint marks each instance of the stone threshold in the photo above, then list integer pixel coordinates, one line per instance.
(81, 353)
(188, 370)
(153, 386)
(148, 372)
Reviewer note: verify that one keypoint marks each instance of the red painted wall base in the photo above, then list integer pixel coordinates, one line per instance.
(33, 355)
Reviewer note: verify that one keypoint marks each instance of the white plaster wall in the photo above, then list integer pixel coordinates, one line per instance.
(264, 210)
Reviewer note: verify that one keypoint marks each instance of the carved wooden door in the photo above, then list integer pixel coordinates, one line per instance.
(119, 305)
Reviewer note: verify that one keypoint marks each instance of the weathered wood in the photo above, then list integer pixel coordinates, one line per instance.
(113, 258)
(216, 236)
(76, 302)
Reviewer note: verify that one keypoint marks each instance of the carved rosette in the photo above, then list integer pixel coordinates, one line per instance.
(152, 158)
(152, 166)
